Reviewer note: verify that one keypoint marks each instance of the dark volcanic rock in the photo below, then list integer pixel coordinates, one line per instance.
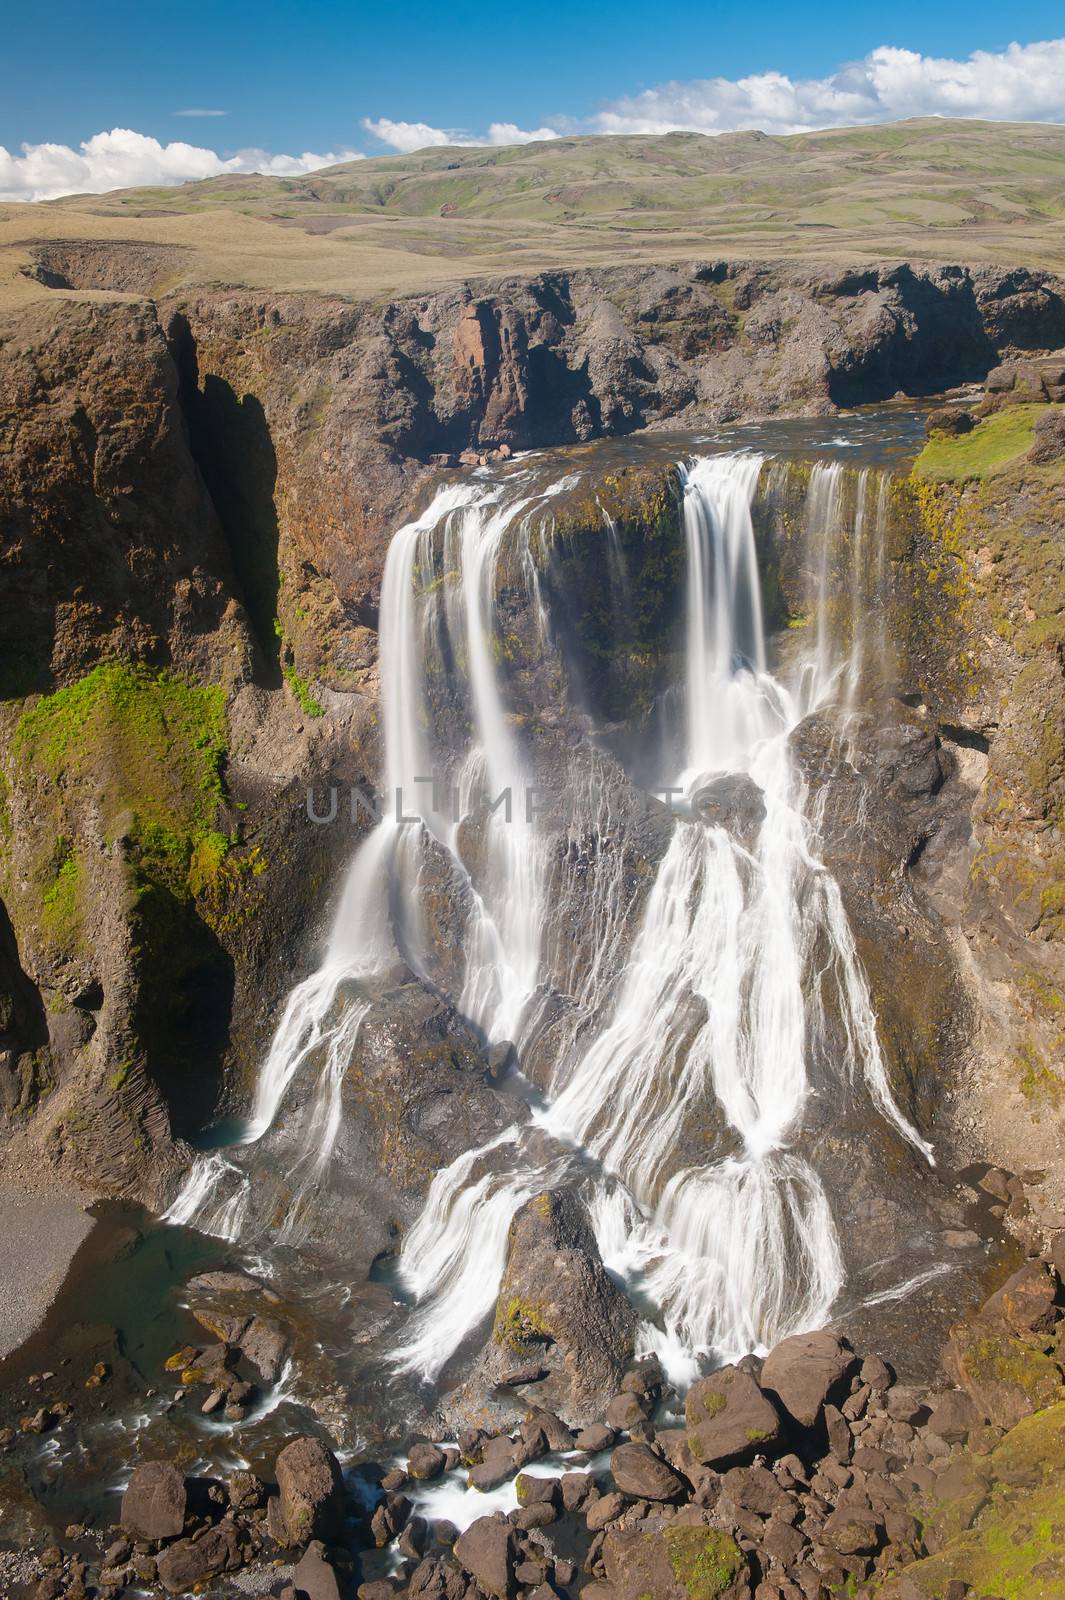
(677, 1564)
(638, 1472)
(153, 1506)
(313, 1576)
(558, 1306)
(806, 1371)
(309, 1482)
(189, 1562)
(730, 1419)
(488, 1550)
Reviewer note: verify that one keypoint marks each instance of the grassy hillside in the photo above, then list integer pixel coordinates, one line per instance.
(928, 188)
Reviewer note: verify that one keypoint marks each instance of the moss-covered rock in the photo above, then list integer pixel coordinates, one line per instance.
(679, 1563)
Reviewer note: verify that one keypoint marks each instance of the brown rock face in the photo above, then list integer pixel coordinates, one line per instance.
(729, 1419)
(806, 1371)
(308, 1478)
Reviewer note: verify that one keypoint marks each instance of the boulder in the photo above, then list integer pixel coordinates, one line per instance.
(1028, 1302)
(950, 420)
(264, 1343)
(678, 1563)
(190, 1562)
(153, 1506)
(558, 1307)
(1008, 1378)
(313, 1577)
(729, 1419)
(488, 1550)
(425, 1461)
(495, 1466)
(638, 1472)
(807, 1370)
(312, 1501)
(1049, 443)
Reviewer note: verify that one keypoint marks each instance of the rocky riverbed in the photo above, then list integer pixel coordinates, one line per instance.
(815, 1471)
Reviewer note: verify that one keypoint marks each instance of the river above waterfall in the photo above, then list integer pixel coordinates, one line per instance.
(649, 997)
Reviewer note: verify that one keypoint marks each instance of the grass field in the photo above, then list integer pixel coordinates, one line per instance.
(993, 444)
(928, 189)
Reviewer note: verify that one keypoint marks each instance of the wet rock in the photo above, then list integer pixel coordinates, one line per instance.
(425, 1461)
(311, 1496)
(264, 1343)
(807, 1370)
(154, 1504)
(680, 1563)
(638, 1472)
(313, 1577)
(559, 1308)
(729, 1419)
(733, 802)
(495, 1466)
(230, 1283)
(488, 1550)
(191, 1561)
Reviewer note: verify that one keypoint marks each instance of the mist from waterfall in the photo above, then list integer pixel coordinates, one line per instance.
(709, 1007)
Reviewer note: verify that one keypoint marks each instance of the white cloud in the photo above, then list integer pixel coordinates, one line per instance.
(123, 159)
(1024, 83)
(199, 111)
(409, 136)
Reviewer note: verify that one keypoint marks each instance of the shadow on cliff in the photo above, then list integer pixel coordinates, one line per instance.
(230, 442)
(183, 1006)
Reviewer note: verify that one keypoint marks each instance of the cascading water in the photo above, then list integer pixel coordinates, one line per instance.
(708, 1007)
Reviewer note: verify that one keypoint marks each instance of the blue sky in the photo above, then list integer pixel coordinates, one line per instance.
(305, 77)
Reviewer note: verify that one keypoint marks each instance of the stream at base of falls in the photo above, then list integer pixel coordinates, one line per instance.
(596, 897)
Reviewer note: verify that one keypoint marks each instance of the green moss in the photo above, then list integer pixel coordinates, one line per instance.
(1016, 1547)
(1039, 1082)
(520, 1322)
(705, 1560)
(713, 1402)
(60, 903)
(302, 690)
(144, 753)
(996, 441)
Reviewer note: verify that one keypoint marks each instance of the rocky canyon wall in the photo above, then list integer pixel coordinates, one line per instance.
(195, 503)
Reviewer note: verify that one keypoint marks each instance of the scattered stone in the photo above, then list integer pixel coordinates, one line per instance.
(595, 1438)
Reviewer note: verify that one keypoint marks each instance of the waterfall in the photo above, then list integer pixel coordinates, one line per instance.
(693, 1001)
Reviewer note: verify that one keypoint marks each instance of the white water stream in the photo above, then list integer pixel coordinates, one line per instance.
(710, 1010)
